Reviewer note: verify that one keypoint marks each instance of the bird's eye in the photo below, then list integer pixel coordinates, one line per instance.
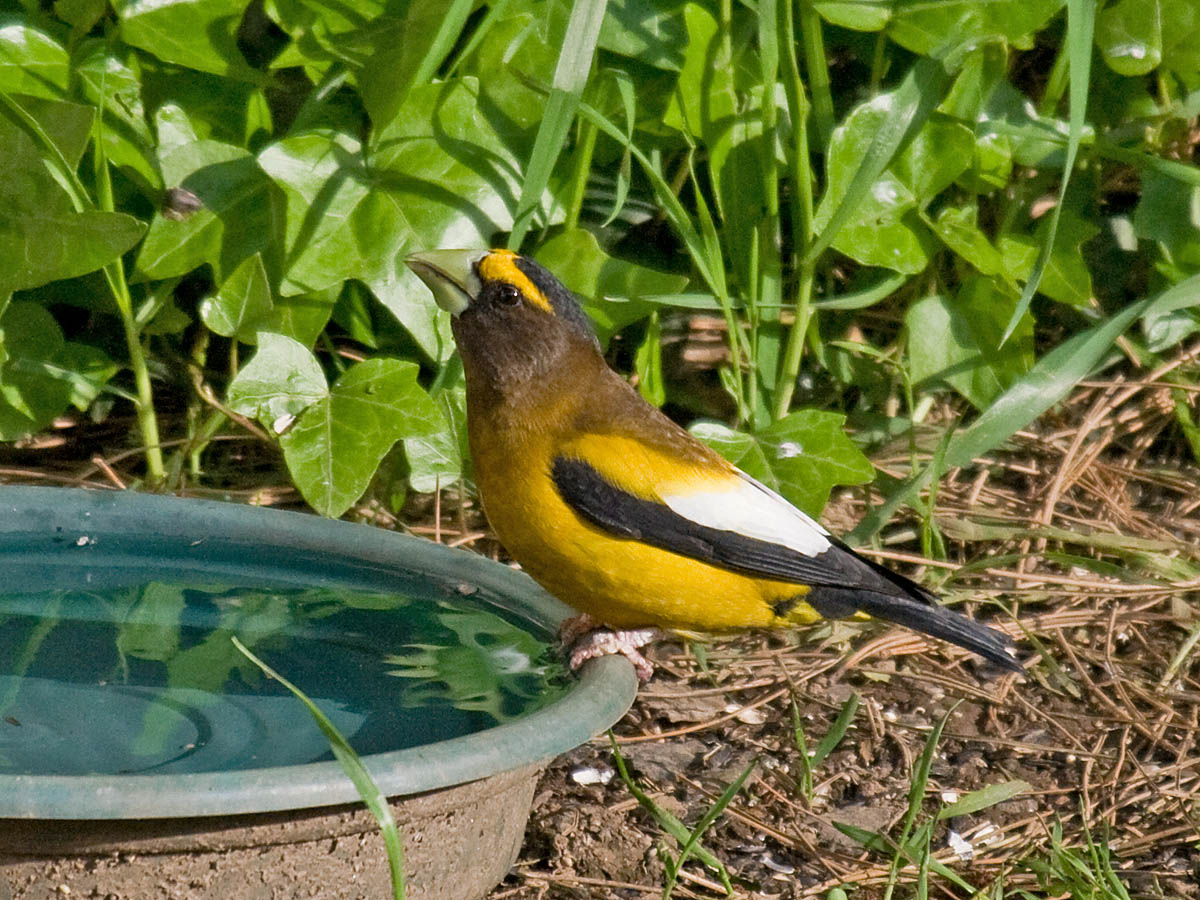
(508, 295)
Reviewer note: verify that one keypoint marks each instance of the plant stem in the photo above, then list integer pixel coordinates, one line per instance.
(802, 216)
(582, 158)
(818, 69)
(114, 273)
(1056, 83)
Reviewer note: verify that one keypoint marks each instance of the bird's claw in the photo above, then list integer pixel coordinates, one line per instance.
(572, 629)
(606, 642)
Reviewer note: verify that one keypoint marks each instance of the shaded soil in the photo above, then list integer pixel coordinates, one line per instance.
(1081, 539)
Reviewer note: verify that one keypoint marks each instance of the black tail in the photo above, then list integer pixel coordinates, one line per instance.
(895, 598)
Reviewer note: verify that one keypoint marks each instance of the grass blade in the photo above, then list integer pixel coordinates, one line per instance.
(570, 78)
(837, 730)
(1081, 23)
(355, 771)
(918, 95)
(666, 820)
(983, 798)
(705, 822)
(1054, 375)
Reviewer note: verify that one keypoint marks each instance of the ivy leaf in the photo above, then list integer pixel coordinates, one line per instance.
(1169, 212)
(335, 446)
(650, 31)
(332, 437)
(958, 228)
(437, 176)
(1129, 35)
(242, 300)
(109, 83)
(237, 216)
(195, 34)
(40, 373)
(1066, 277)
(437, 460)
(802, 456)
(926, 27)
(859, 15)
(611, 288)
(29, 397)
(33, 63)
(42, 237)
(281, 380)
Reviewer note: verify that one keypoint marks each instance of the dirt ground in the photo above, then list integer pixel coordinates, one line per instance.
(1081, 538)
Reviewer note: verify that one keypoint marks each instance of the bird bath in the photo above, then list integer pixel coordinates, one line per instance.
(142, 755)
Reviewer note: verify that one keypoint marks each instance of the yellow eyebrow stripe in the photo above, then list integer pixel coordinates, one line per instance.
(501, 265)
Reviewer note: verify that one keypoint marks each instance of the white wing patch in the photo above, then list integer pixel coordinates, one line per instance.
(750, 508)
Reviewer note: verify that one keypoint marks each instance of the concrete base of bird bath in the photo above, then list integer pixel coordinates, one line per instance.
(459, 842)
(271, 831)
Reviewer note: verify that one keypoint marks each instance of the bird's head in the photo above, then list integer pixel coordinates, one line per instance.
(512, 318)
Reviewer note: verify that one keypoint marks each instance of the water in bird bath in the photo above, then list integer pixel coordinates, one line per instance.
(142, 677)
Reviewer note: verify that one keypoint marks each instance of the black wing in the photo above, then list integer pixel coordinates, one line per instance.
(841, 582)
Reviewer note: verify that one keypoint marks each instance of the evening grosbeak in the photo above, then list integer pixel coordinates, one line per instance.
(618, 511)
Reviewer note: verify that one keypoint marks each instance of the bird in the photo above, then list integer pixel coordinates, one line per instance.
(620, 512)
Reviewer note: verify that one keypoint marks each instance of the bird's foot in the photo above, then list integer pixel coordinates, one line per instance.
(574, 628)
(606, 642)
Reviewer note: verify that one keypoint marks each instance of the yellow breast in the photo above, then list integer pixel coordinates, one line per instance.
(621, 582)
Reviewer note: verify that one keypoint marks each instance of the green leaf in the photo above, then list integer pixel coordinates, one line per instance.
(437, 176)
(32, 62)
(337, 226)
(1169, 213)
(863, 212)
(957, 341)
(237, 217)
(279, 382)
(336, 444)
(802, 456)
(42, 237)
(1065, 275)
(241, 302)
(109, 83)
(859, 15)
(927, 27)
(1129, 35)
(332, 437)
(704, 94)
(82, 15)
(610, 287)
(650, 31)
(984, 798)
(517, 54)
(957, 227)
(86, 369)
(30, 397)
(1181, 38)
(221, 109)
(195, 34)
(402, 47)
(436, 461)
(938, 153)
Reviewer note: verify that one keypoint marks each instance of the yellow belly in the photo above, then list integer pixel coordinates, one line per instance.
(621, 582)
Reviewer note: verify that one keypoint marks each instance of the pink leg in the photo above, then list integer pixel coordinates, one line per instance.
(574, 628)
(605, 642)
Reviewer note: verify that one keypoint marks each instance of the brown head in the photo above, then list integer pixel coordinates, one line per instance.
(515, 324)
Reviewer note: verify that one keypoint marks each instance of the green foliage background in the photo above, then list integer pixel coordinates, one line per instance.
(882, 200)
